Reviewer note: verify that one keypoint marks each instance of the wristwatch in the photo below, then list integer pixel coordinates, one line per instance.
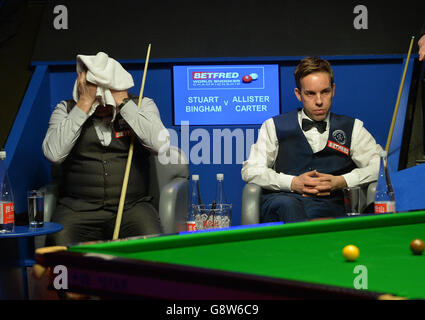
(123, 103)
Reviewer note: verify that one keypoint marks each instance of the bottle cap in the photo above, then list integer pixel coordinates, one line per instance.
(220, 176)
(2, 154)
(195, 177)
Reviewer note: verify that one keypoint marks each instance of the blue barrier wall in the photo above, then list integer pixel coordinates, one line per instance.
(366, 88)
(26, 165)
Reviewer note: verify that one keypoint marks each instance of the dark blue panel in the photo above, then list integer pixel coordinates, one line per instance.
(368, 91)
(62, 81)
(157, 87)
(27, 166)
(409, 186)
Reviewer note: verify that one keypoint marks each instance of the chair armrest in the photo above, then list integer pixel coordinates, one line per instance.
(51, 195)
(371, 189)
(366, 196)
(251, 204)
(176, 165)
(174, 205)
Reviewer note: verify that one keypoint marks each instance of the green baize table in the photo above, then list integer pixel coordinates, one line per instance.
(290, 261)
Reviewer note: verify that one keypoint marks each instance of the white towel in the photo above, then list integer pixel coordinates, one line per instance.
(107, 74)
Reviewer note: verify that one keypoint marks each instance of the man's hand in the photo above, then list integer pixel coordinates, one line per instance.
(329, 183)
(119, 96)
(306, 183)
(421, 44)
(86, 92)
(317, 184)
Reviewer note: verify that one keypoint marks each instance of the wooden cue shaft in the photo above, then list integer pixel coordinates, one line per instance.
(129, 159)
(400, 90)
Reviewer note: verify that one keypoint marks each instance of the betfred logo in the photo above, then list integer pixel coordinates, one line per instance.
(204, 75)
(338, 147)
(249, 77)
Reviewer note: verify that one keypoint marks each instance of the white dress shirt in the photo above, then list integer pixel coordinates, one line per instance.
(259, 168)
(65, 128)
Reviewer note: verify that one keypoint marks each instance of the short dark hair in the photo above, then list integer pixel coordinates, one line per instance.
(311, 65)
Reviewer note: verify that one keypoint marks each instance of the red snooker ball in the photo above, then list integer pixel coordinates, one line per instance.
(247, 79)
(417, 246)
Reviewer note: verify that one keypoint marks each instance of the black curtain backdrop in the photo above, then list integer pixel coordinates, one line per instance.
(226, 28)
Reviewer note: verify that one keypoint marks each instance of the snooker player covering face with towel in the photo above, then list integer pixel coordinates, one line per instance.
(89, 138)
(304, 158)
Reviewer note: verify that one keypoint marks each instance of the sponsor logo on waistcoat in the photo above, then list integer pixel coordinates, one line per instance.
(122, 129)
(338, 147)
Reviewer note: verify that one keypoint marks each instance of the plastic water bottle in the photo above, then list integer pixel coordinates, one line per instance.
(220, 197)
(194, 201)
(384, 195)
(7, 205)
(222, 206)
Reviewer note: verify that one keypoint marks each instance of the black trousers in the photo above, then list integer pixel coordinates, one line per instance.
(96, 225)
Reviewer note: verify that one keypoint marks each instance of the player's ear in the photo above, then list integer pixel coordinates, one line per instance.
(298, 93)
(333, 89)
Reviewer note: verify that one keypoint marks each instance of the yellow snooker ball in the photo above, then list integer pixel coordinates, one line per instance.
(350, 252)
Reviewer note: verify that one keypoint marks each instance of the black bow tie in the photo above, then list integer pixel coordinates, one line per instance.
(308, 124)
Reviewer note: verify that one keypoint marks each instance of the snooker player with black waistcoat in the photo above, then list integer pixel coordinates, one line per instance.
(303, 159)
(89, 138)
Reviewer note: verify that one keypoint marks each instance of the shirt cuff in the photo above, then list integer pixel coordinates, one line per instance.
(351, 179)
(285, 182)
(129, 106)
(129, 109)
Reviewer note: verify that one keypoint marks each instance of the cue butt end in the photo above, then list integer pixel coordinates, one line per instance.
(390, 297)
(50, 249)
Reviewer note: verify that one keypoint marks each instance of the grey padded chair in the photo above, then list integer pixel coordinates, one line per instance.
(251, 201)
(169, 186)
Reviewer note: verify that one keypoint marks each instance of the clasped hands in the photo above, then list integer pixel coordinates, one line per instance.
(87, 93)
(316, 184)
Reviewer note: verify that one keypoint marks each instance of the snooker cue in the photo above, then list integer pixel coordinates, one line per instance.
(129, 159)
(400, 90)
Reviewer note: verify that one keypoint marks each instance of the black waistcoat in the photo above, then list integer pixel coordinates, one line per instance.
(295, 155)
(93, 174)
